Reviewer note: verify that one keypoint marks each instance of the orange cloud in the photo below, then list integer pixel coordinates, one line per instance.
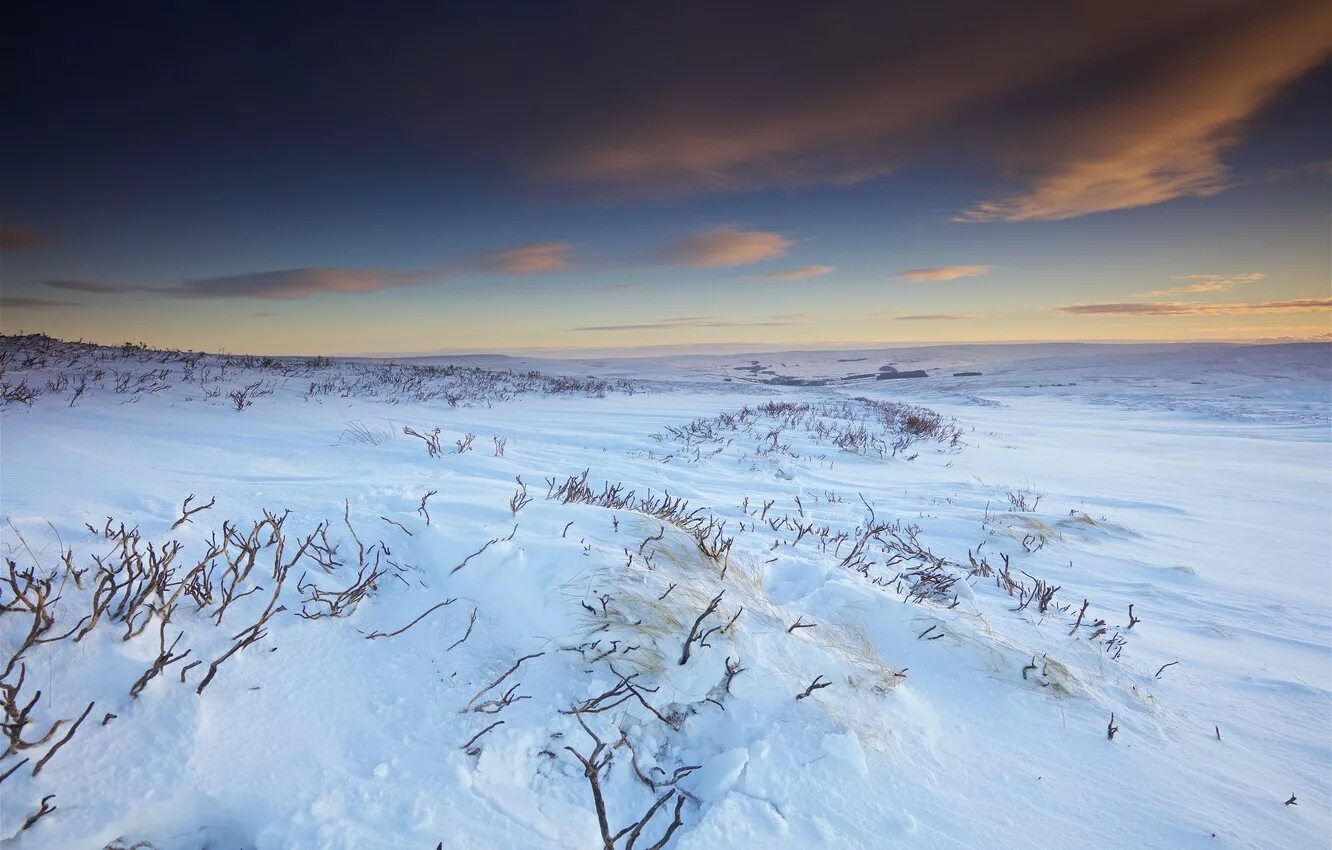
(938, 273)
(531, 259)
(1205, 283)
(1193, 308)
(725, 247)
(800, 273)
(1164, 139)
(1086, 106)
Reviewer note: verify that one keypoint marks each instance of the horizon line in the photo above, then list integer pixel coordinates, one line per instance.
(703, 349)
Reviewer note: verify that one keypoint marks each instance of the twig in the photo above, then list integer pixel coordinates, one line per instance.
(1031, 666)
(46, 810)
(813, 686)
(6, 774)
(1078, 623)
(693, 632)
(489, 543)
(186, 511)
(429, 610)
(1163, 666)
(670, 830)
(422, 509)
(471, 622)
(467, 746)
(732, 670)
(58, 744)
(506, 675)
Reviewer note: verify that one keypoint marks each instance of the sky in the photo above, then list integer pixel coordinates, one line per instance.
(343, 178)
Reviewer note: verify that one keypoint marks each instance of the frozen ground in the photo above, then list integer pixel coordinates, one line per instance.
(862, 548)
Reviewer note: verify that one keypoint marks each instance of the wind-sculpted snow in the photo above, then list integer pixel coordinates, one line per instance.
(447, 605)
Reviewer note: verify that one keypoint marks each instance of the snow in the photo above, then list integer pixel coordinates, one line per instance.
(1189, 481)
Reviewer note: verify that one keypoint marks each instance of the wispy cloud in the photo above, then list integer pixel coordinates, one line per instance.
(20, 238)
(723, 247)
(281, 284)
(1204, 283)
(22, 302)
(799, 273)
(539, 258)
(94, 286)
(939, 273)
(1194, 308)
(1086, 107)
(936, 317)
(1163, 139)
(682, 322)
(286, 284)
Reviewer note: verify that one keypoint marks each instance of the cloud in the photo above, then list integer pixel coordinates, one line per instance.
(93, 286)
(19, 302)
(799, 273)
(281, 284)
(285, 284)
(1163, 138)
(531, 259)
(943, 273)
(291, 284)
(20, 238)
(1194, 308)
(682, 322)
(936, 317)
(723, 247)
(1204, 283)
(1081, 107)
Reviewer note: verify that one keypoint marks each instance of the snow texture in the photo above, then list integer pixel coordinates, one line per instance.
(905, 604)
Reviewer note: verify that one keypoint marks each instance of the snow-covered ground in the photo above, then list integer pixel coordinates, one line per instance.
(902, 628)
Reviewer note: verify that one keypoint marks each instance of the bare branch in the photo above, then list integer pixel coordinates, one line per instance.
(187, 513)
(429, 610)
(506, 675)
(471, 622)
(813, 686)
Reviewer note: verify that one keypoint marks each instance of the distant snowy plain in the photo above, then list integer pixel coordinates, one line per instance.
(871, 625)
